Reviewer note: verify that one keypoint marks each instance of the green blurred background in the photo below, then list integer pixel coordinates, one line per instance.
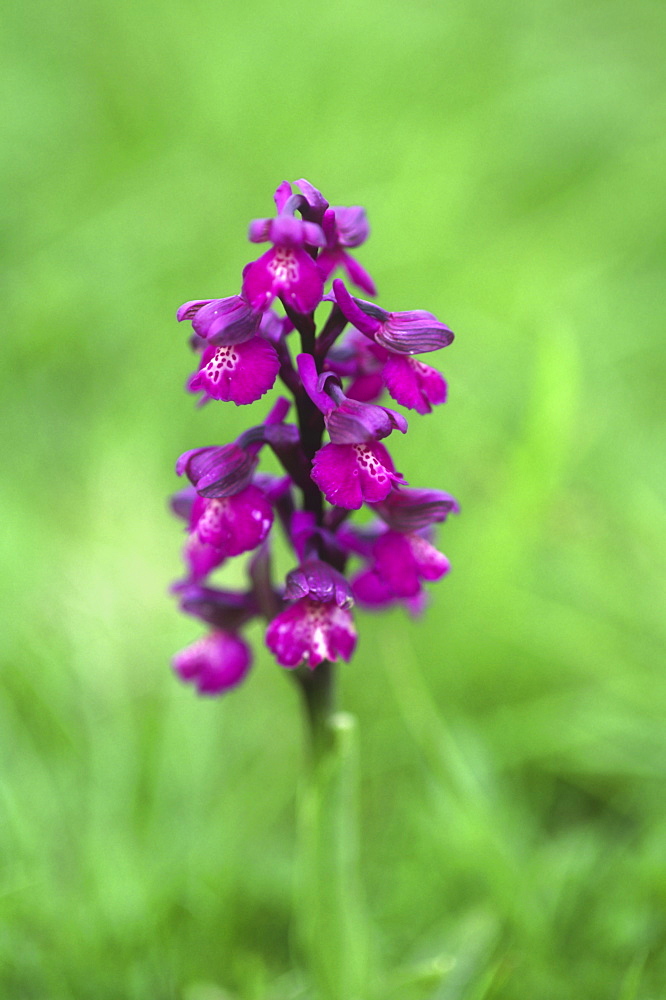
(513, 746)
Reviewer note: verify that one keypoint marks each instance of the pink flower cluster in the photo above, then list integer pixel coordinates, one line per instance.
(336, 379)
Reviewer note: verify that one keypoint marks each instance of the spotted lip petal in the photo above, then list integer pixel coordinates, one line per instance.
(350, 474)
(310, 632)
(287, 272)
(240, 373)
(233, 524)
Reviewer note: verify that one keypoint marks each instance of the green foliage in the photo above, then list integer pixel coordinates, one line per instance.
(512, 743)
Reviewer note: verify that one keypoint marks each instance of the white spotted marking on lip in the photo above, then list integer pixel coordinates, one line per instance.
(284, 266)
(369, 462)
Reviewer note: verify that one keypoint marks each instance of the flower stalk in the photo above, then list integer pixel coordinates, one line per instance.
(336, 375)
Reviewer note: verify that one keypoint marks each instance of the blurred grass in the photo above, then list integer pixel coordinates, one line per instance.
(513, 749)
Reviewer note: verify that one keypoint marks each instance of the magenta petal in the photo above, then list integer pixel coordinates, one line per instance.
(215, 663)
(241, 373)
(349, 474)
(413, 384)
(201, 557)
(368, 320)
(237, 523)
(366, 388)
(358, 275)
(395, 564)
(310, 632)
(285, 271)
(353, 423)
(328, 260)
(335, 471)
(370, 589)
(429, 561)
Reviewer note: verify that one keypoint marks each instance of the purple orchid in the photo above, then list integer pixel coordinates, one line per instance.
(332, 458)
(286, 271)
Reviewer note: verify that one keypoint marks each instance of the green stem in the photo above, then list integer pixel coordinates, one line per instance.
(331, 927)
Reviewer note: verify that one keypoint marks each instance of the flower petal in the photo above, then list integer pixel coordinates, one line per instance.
(214, 664)
(413, 384)
(349, 474)
(241, 373)
(237, 523)
(310, 632)
(285, 271)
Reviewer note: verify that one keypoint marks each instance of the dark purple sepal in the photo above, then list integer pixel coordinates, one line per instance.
(351, 226)
(315, 204)
(409, 510)
(314, 384)
(366, 321)
(188, 310)
(319, 581)
(353, 422)
(411, 332)
(223, 609)
(218, 472)
(181, 502)
(222, 321)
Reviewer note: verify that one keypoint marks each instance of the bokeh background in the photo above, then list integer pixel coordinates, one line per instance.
(513, 743)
